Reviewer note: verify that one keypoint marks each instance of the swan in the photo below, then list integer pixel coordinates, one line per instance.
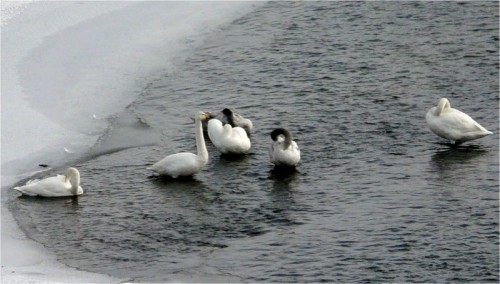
(237, 120)
(185, 164)
(284, 151)
(452, 124)
(228, 139)
(227, 116)
(60, 185)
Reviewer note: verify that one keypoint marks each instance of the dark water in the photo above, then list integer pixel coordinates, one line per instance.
(377, 197)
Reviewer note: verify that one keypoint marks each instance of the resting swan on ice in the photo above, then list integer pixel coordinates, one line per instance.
(452, 124)
(185, 164)
(284, 151)
(60, 185)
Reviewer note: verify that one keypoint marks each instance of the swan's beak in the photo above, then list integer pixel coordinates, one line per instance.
(206, 115)
(66, 178)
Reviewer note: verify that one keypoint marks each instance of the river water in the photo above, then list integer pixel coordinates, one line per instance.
(377, 196)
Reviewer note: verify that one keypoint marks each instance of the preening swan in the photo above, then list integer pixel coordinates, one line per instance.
(60, 185)
(227, 116)
(228, 139)
(237, 120)
(452, 124)
(185, 164)
(284, 151)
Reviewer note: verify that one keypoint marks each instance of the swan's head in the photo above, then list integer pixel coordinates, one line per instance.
(230, 117)
(72, 172)
(73, 175)
(281, 135)
(444, 103)
(227, 112)
(201, 115)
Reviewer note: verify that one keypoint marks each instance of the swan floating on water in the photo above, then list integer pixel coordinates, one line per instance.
(227, 116)
(60, 185)
(452, 124)
(227, 138)
(185, 164)
(284, 151)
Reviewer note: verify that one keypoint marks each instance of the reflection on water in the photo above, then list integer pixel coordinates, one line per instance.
(444, 159)
(458, 163)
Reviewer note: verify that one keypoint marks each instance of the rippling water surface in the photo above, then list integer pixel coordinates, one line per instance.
(377, 196)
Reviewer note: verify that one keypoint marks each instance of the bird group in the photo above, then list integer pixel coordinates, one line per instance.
(230, 132)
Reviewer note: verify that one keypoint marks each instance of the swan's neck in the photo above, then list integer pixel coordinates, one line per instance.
(227, 130)
(288, 140)
(443, 104)
(287, 143)
(230, 119)
(200, 141)
(75, 183)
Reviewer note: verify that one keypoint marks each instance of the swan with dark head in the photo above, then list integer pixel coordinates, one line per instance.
(236, 119)
(284, 151)
(227, 115)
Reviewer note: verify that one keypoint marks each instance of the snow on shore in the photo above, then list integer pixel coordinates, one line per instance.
(66, 63)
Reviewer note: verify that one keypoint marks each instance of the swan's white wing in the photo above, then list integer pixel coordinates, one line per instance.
(242, 122)
(227, 139)
(285, 157)
(239, 143)
(48, 187)
(295, 148)
(180, 164)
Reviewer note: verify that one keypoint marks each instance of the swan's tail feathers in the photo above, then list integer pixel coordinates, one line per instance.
(152, 168)
(20, 190)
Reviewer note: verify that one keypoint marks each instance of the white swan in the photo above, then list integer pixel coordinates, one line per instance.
(185, 164)
(284, 151)
(60, 185)
(227, 116)
(228, 139)
(453, 124)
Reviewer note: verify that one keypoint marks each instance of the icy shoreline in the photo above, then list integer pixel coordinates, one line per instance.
(66, 65)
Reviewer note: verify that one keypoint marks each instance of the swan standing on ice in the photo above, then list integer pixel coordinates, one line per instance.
(60, 185)
(227, 116)
(185, 164)
(284, 151)
(453, 124)
(226, 138)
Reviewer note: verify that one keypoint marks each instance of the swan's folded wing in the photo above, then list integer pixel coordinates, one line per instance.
(462, 122)
(49, 187)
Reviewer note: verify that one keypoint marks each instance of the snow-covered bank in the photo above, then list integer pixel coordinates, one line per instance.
(65, 67)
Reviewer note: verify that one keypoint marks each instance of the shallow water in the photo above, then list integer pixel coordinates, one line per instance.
(377, 196)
